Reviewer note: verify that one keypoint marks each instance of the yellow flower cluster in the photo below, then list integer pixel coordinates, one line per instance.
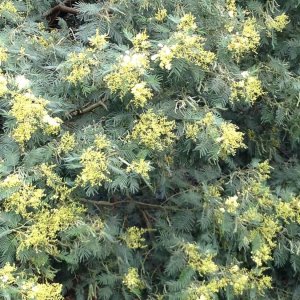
(140, 167)
(248, 89)
(11, 181)
(42, 41)
(205, 291)
(141, 94)
(3, 85)
(29, 288)
(230, 139)
(231, 8)
(161, 14)
(98, 41)
(132, 280)
(95, 168)
(267, 231)
(202, 263)
(25, 201)
(231, 204)
(245, 42)
(62, 192)
(289, 211)
(141, 42)
(238, 279)
(262, 255)
(101, 142)
(127, 72)
(133, 237)
(154, 131)
(7, 275)
(7, 7)
(3, 54)
(187, 23)
(42, 291)
(166, 54)
(67, 143)
(80, 66)
(278, 23)
(264, 170)
(42, 234)
(192, 129)
(184, 46)
(31, 114)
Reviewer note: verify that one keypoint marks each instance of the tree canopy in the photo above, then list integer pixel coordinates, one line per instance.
(149, 149)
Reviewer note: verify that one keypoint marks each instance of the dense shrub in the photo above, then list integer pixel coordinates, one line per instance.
(149, 149)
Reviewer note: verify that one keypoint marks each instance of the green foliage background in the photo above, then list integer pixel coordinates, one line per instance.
(121, 176)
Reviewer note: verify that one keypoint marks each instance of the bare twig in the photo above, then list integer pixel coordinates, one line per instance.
(87, 108)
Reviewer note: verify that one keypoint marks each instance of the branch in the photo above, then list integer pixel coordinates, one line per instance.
(88, 108)
(138, 203)
(56, 10)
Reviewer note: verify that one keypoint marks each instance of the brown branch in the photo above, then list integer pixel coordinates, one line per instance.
(60, 8)
(138, 203)
(87, 108)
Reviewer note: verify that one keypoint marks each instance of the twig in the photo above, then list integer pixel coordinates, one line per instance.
(87, 109)
(138, 203)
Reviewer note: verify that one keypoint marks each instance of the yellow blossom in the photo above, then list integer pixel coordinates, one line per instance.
(133, 237)
(141, 94)
(161, 14)
(3, 85)
(55, 182)
(3, 54)
(231, 204)
(285, 210)
(43, 291)
(202, 263)
(187, 22)
(7, 275)
(231, 8)
(7, 7)
(95, 168)
(42, 234)
(11, 181)
(42, 41)
(278, 23)
(141, 42)
(192, 130)
(264, 170)
(132, 280)
(184, 46)
(25, 201)
(67, 143)
(245, 42)
(154, 131)
(165, 55)
(239, 280)
(101, 142)
(80, 66)
(31, 114)
(127, 73)
(230, 139)
(140, 167)
(248, 89)
(263, 283)
(262, 255)
(208, 119)
(98, 41)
